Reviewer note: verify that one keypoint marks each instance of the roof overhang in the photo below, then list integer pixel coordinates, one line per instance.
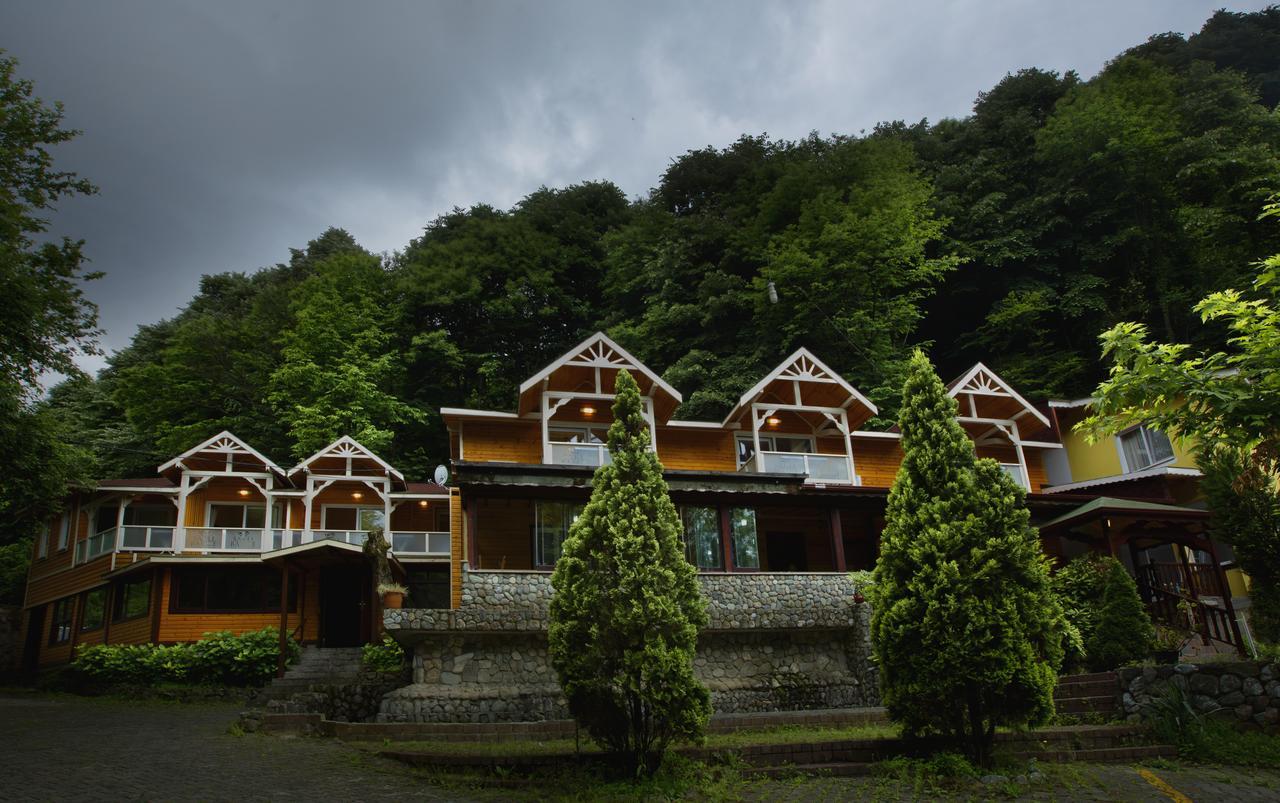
(224, 443)
(533, 475)
(1158, 471)
(803, 366)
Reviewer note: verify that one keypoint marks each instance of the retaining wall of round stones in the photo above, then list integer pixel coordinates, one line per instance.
(1246, 691)
(775, 642)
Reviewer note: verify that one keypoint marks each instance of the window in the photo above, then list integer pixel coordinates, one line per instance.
(551, 524)
(742, 530)
(93, 609)
(428, 585)
(150, 516)
(133, 599)
(1144, 448)
(64, 532)
(789, 444)
(702, 537)
(240, 516)
(352, 518)
(230, 590)
(60, 625)
(42, 540)
(578, 434)
(579, 446)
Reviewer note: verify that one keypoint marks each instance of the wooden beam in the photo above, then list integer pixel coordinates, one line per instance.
(284, 617)
(837, 540)
(726, 537)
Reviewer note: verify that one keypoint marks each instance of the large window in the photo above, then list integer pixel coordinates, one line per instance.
(702, 537)
(428, 585)
(93, 609)
(353, 518)
(789, 444)
(60, 624)
(1144, 448)
(133, 599)
(64, 531)
(240, 516)
(551, 524)
(221, 589)
(42, 540)
(742, 529)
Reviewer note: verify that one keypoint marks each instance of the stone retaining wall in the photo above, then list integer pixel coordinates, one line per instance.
(775, 642)
(1246, 691)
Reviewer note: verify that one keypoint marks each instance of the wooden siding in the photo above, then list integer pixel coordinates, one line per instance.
(70, 580)
(193, 626)
(457, 547)
(502, 442)
(876, 461)
(697, 450)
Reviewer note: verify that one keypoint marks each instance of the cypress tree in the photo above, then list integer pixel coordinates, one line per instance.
(1122, 630)
(966, 630)
(626, 606)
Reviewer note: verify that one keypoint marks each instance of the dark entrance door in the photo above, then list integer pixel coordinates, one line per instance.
(344, 606)
(785, 552)
(35, 637)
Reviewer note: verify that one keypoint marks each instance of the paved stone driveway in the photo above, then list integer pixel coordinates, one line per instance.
(56, 748)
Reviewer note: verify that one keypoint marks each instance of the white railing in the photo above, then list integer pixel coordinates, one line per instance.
(283, 539)
(147, 539)
(226, 539)
(95, 545)
(420, 543)
(353, 537)
(579, 454)
(1014, 470)
(815, 467)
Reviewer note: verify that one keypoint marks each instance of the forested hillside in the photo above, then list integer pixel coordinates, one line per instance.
(1015, 236)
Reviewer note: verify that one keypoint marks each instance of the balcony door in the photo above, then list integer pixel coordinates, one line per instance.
(353, 518)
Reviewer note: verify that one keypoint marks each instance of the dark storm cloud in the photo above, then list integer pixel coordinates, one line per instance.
(221, 134)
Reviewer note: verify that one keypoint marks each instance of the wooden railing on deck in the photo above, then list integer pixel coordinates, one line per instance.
(1190, 580)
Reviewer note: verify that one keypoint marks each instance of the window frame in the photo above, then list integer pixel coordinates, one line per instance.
(324, 516)
(1144, 435)
(733, 539)
(61, 621)
(740, 438)
(690, 545)
(64, 532)
(568, 517)
(120, 599)
(84, 607)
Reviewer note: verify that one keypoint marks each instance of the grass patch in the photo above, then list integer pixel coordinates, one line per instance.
(790, 734)
(1220, 743)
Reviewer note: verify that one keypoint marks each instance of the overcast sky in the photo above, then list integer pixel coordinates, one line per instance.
(224, 133)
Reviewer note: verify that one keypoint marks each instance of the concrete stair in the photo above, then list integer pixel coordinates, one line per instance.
(1087, 694)
(317, 666)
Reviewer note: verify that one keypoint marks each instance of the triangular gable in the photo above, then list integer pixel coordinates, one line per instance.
(344, 448)
(981, 382)
(223, 444)
(802, 366)
(600, 351)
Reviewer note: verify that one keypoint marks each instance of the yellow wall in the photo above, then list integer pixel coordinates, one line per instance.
(1091, 461)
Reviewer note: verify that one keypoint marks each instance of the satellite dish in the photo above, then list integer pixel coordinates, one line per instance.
(441, 475)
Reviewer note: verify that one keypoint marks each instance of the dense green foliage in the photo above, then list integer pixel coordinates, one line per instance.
(1227, 402)
(966, 629)
(627, 606)
(1014, 235)
(1101, 601)
(386, 656)
(45, 319)
(249, 659)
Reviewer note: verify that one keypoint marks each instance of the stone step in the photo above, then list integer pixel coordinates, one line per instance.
(1091, 677)
(1102, 704)
(1094, 688)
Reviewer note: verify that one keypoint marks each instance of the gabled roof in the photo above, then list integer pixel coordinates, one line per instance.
(980, 381)
(1116, 507)
(802, 366)
(347, 447)
(224, 443)
(590, 367)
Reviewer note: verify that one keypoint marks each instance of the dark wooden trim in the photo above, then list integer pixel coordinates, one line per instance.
(158, 578)
(837, 540)
(726, 537)
(284, 617)
(471, 512)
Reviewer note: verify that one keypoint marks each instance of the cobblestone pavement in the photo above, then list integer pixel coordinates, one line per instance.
(1074, 782)
(65, 748)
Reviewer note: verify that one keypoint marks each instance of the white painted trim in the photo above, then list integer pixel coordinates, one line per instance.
(693, 424)
(464, 412)
(1071, 404)
(1013, 394)
(576, 351)
(750, 395)
(224, 434)
(1043, 444)
(134, 489)
(354, 445)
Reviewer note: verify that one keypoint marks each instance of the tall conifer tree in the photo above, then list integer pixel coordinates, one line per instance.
(627, 606)
(965, 627)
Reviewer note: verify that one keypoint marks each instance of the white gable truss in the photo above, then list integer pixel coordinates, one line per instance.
(348, 449)
(600, 352)
(982, 381)
(226, 446)
(801, 366)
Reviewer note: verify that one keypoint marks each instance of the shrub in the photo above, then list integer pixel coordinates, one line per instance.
(966, 630)
(386, 657)
(627, 606)
(249, 659)
(1101, 600)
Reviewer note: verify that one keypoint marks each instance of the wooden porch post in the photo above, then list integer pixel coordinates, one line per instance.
(1226, 595)
(284, 617)
(726, 537)
(1106, 533)
(837, 540)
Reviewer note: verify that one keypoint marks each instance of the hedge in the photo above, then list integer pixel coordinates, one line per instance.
(223, 658)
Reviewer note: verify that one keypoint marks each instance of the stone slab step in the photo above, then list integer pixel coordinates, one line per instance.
(1083, 705)
(1102, 755)
(1094, 688)
(1086, 678)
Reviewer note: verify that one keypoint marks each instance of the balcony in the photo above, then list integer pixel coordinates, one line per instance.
(579, 454)
(242, 540)
(817, 468)
(147, 539)
(95, 545)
